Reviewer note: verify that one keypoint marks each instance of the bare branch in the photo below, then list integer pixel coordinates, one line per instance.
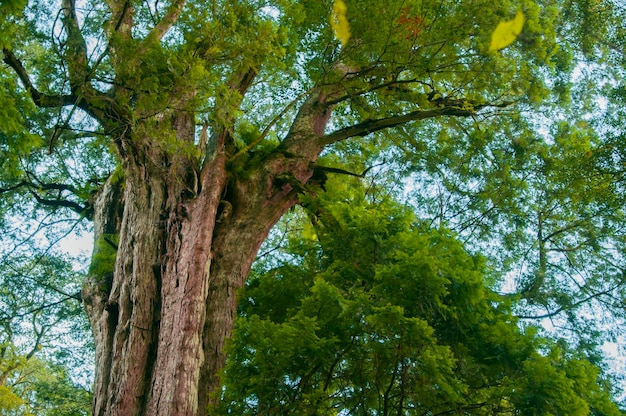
(393, 85)
(76, 296)
(57, 202)
(74, 206)
(572, 306)
(35, 184)
(372, 125)
(14, 187)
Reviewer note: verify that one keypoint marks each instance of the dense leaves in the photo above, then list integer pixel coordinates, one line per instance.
(31, 386)
(378, 314)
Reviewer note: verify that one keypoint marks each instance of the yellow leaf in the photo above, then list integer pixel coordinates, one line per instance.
(308, 232)
(339, 22)
(506, 32)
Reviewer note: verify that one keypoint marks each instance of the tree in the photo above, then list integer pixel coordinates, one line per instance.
(31, 386)
(376, 313)
(40, 309)
(185, 130)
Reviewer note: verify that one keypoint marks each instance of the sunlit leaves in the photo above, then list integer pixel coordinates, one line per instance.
(32, 386)
(339, 21)
(507, 32)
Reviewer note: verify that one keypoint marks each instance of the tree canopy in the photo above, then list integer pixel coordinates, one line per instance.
(179, 133)
(374, 313)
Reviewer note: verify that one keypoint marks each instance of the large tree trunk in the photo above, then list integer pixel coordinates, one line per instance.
(187, 239)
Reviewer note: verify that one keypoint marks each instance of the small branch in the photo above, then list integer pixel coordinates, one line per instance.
(14, 187)
(391, 85)
(572, 306)
(75, 296)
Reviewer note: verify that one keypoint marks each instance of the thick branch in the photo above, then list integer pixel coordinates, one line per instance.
(121, 18)
(167, 21)
(74, 206)
(76, 49)
(58, 202)
(40, 100)
(370, 126)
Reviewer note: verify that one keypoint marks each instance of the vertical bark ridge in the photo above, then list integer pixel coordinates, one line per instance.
(134, 293)
(184, 297)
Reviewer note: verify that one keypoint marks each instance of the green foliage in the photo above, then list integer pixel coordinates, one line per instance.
(381, 315)
(31, 386)
(43, 335)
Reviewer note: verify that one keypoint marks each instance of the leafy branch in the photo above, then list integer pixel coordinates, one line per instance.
(372, 125)
(40, 99)
(35, 186)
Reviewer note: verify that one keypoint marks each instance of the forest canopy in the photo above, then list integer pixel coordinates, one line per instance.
(315, 207)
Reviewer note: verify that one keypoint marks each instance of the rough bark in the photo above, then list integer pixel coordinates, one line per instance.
(187, 239)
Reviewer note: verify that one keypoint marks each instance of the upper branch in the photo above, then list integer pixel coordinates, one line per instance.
(85, 210)
(572, 306)
(36, 186)
(372, 125)
(76, 49)
(41, 100)
(167, 21)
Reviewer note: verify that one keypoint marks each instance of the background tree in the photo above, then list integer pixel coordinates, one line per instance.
(185, 130)
(375, 313)
(44, 343)
(31, 386)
